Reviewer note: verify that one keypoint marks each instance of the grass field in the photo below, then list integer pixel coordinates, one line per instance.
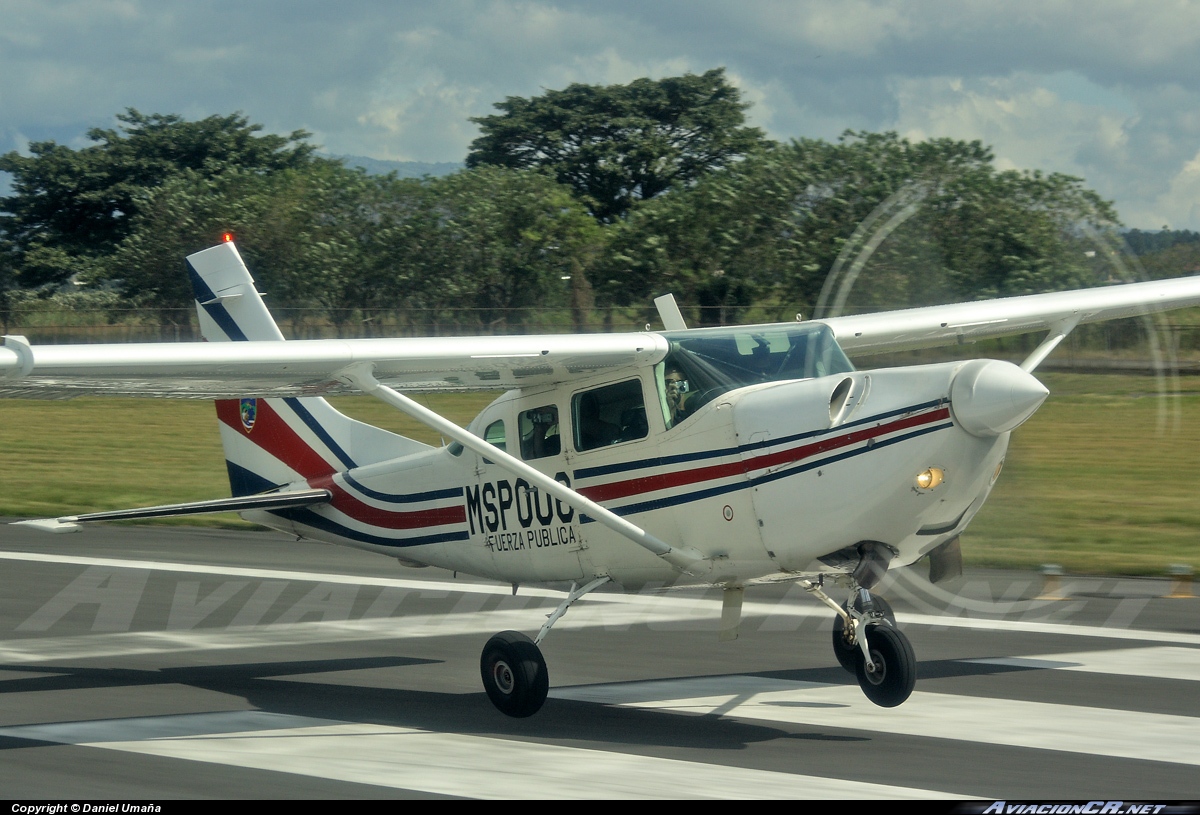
(1103, 479)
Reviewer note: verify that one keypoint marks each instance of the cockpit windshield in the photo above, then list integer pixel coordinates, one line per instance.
(703, 364)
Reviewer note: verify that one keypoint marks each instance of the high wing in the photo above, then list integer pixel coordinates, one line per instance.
(312, 367)
(967, 322)
(267, 367)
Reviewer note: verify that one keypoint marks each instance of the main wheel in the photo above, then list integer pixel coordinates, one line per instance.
(514, 674)
(895, 671)
(848, 652)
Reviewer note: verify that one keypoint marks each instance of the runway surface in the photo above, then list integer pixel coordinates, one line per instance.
(160, 663)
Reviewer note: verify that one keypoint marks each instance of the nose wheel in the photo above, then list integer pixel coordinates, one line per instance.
(514, 674)
(888, 679)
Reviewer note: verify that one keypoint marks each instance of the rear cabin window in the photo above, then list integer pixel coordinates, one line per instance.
(495, 436)
(609, 415)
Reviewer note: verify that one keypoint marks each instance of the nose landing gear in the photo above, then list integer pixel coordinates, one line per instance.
(845, 645)
(867, 643)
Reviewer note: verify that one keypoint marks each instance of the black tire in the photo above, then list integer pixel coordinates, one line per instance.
(514, 674)
(895, 672)
(848, 654)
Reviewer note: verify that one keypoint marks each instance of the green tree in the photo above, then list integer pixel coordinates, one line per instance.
(769, 231)
(619, 144)
(1178, 260)
(1010, 233)
(718, 245)
(295, 228)
(1144, 243)
(325, 240)
(70, 207)
(8, 286)
(514, 240)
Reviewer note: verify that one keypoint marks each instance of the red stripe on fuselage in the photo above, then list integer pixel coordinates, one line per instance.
(362, 512)
(273, 434)
(653, 483)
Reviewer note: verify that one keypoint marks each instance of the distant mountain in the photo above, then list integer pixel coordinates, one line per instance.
(403, 169)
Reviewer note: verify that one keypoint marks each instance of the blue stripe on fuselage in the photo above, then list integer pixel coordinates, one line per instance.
(699, 495)
(684, 458)
(310, 518)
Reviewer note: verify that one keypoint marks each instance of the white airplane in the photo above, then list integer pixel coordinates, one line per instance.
(720, 457)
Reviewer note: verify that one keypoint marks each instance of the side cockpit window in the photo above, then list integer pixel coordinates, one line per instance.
(609, 415)
(539, 432)
(705, 363)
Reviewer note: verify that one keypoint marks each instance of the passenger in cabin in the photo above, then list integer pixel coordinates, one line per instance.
(539, 433)
(593, 430)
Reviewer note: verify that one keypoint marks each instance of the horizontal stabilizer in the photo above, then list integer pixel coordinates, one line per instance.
(273, 500)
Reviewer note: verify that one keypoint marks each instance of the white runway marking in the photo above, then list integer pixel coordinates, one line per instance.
(1095, 731)
(441, 763)
(669, 610)
(1156, 662)
(273, 574)
(419, 626)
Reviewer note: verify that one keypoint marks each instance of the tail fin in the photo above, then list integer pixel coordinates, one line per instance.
(272, 442)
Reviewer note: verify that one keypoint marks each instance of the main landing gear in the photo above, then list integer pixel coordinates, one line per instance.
(867, 643)
(512, 666)
(514, 674)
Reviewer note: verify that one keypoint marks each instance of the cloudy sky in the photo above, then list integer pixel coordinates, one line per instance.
(1103, 89)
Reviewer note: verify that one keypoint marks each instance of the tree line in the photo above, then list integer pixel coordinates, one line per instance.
(581, 200)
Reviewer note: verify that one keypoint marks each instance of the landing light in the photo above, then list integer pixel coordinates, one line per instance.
(930, 478)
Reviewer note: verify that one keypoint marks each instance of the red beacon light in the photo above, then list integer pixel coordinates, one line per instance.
(227, 237)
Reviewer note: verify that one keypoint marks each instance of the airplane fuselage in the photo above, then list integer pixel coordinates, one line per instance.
(779, 478)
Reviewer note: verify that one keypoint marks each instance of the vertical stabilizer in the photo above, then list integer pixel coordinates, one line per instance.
(272, 442)
(229, 305)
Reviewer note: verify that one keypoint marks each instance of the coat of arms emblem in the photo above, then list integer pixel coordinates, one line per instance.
(249, 412)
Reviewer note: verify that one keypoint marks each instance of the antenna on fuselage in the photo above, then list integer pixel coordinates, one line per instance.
(669, 313)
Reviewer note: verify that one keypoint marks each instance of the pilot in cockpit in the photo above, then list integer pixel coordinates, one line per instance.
(678, 391)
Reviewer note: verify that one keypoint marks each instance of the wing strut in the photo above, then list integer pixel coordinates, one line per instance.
(1058, 333)
(686, 559)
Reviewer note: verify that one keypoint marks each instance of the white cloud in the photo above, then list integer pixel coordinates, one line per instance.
(1129, 148)
(1179, 206)
(1108, 89)
(1028, 125)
